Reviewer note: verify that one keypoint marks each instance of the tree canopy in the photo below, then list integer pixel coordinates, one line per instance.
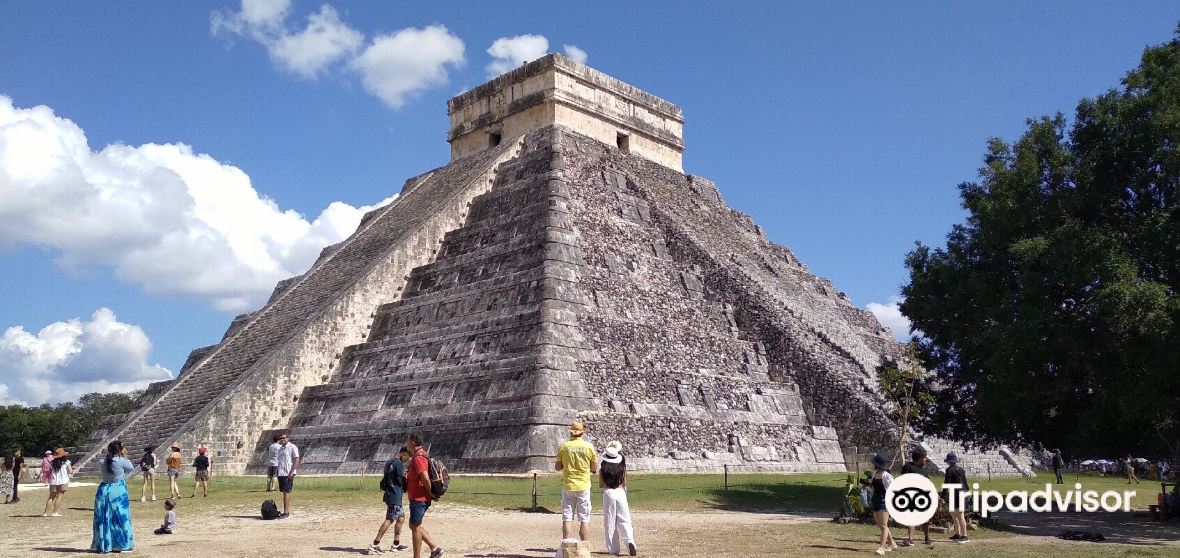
(36, 429)
(1053, 313)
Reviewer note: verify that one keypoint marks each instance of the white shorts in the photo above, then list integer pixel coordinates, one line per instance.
(575, 506)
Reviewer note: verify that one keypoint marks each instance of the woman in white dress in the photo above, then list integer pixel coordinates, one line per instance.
(59, 481)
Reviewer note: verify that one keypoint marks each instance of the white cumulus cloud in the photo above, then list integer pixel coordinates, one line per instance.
(576, 54)
(890, 316)
(510, 52)
(162, 216)
(396, 66)
(393, 67)
(308, 52)
(67, 359)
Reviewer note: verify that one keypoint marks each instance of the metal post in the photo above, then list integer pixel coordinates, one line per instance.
(534, 492)
(726, 477)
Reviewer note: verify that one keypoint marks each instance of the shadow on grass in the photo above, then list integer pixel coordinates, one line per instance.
(790, 497)
(346, 549)
(830, 547)
(1115, 527)
(63, 550)
(529, 509)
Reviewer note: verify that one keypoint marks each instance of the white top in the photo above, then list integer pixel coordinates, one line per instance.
(886, 479)
(58, 477)
(272, 459)
(286, 459)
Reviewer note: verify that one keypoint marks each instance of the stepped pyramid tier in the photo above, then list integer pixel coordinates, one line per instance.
(561, 267)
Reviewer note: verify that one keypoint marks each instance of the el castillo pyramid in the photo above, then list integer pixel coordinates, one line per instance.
(561, 266)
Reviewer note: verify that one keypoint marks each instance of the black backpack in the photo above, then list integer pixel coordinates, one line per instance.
(270, 510)
(439, 478)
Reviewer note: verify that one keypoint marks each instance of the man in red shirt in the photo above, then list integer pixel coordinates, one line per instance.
(418, 492)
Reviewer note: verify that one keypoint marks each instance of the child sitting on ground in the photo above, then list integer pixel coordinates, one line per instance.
(169, 518)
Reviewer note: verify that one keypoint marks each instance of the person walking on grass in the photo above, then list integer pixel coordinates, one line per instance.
(881, 480)
(174, 462)
(272, 462)
(577, 460)
(955, 474)
(612, 478)
(6, 480)
(418, 492)
(59, 482)
(916, 466)
(18, 474)
(112, 505)
(287, 467)
(1131, 470)
(202, 466)
(393, 485)
(147, 465)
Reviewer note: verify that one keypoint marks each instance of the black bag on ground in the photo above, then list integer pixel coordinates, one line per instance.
(270, 510)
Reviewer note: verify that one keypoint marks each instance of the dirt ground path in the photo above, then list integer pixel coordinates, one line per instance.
(326, 528)
(463, 531)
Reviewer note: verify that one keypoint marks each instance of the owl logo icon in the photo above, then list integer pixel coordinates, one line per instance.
(911, 499)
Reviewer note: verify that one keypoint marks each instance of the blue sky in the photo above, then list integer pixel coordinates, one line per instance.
(842, 129)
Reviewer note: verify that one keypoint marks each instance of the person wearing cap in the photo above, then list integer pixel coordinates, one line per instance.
(881, 480)
(46, 467)
(59, 481)
(916, 466)
(288, 465)
(955, 474)
(612, 478)
(201, 465)
(173, 462)
(577, 460)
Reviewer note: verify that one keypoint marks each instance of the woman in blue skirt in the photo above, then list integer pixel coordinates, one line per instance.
(112, 507)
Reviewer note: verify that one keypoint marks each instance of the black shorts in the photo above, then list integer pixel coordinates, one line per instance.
(272, 471)
(286, 484)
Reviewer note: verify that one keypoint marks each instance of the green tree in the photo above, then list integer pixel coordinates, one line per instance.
(35, 429)
(905, 386)
(1053, 312)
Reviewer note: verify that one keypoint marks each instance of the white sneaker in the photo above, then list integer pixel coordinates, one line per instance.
(153, 498)
(374, 549)
(55, 515)
(142, 499)
(881, 551)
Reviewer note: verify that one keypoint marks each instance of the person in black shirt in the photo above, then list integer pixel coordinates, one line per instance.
(918, 467)
(201, 465)
(955, 474)
(1058, 465)
(18, 472)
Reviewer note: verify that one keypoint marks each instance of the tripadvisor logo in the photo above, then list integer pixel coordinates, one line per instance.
(912, 500)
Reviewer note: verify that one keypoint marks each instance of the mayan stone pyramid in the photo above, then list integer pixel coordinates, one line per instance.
(561, 266)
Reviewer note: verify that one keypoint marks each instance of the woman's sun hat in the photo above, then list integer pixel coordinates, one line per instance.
(611, 453)
(60, 452)
(879, 461)
(951, 458)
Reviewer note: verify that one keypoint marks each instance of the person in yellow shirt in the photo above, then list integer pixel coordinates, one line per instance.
(578, 461)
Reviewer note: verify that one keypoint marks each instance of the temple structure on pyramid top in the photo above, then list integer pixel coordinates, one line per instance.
(560, 267)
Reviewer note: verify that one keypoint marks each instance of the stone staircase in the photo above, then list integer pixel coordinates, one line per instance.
(297, 336)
